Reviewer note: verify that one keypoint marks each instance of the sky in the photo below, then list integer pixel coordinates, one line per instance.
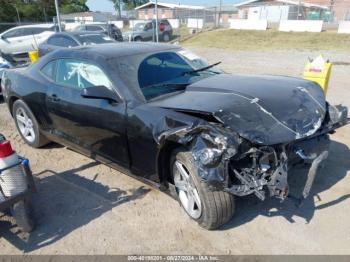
(107, 6)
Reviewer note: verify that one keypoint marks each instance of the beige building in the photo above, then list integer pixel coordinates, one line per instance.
(166, 10)
(277, 10)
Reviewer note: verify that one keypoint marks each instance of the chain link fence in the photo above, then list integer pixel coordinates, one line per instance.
(187, 21)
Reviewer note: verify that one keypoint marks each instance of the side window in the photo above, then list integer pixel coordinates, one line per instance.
(26, 31)
(80, 28)
(148, 26)
(12, 33)
(39, 30)
(94, 28)
(80, 74)
(68, 42)
(49, 70)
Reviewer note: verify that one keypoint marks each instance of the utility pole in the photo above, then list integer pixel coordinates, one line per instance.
(220, 7)
(18, 18)
(156, 11)
(120, 9)
(58, 16)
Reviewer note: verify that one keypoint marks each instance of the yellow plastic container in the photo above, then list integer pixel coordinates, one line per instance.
(319, 72)
(33, 56)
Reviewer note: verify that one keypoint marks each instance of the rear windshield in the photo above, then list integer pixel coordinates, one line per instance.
(93, 39)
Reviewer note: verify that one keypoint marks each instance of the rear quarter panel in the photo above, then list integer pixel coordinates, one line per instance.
(30, 86)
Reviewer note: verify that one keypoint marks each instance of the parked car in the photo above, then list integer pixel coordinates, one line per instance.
(18, 41)
(145, 31)
(109, 29)
(164, 115)
(7, 62)
(72, 39)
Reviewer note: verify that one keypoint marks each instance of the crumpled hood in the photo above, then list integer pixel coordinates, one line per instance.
(263, 109)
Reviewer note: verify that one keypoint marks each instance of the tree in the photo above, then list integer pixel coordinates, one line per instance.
(37, 10)
(127, 4)
(73, 6)
(118, 7)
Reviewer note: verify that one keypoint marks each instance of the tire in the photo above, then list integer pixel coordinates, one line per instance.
(22, 213)
(21, 113)
(137, 39)
(216, 207)
(166, 37)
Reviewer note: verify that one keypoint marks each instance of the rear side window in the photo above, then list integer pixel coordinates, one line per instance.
(62, 41)
(54, 40)
(49, 70)
(165, 22)
(12, 33)
(68, 42)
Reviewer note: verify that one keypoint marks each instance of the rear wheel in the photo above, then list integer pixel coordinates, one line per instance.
(166, 37)
(211, 209)
(137, 39)
(27, 125)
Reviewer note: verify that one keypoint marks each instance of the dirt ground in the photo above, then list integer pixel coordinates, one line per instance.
(83, 207)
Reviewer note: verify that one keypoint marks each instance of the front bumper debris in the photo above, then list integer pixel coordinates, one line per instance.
(312, 173)
(268, 168)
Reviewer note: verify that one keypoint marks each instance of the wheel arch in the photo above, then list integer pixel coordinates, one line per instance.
(11, 101)
(163, 161)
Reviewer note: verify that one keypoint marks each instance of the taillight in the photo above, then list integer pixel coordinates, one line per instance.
(161, 27)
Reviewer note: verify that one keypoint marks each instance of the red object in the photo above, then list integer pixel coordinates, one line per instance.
(5, 149)
(161, 27)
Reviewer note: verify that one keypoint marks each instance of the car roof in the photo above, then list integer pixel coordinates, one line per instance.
(77, 33)
(33, 25)
(114, 50)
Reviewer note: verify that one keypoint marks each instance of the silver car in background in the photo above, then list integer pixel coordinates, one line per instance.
(145, 31)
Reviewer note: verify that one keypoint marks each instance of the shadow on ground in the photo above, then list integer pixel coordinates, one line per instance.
(65, 202)
(334, 170)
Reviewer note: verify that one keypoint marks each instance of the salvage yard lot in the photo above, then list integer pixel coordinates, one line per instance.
(83, 207)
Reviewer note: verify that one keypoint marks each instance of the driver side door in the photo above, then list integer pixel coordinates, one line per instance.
(95, 127)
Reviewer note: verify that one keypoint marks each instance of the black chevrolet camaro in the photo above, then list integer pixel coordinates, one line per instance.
(162, 114)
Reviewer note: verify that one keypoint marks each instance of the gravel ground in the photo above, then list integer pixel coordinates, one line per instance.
(83, 207)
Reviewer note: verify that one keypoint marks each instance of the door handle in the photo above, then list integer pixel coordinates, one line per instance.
(54, 98)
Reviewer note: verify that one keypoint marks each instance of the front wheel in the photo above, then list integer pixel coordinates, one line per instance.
(211, 209)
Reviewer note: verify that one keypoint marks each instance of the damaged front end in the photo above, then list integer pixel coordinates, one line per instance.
(252, 130)
(263, 167)
(228, 162)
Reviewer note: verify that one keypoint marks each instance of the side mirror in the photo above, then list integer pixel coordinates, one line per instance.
(99, 92)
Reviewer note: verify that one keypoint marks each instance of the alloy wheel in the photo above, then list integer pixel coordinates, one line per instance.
(25, 125)
(187, 191)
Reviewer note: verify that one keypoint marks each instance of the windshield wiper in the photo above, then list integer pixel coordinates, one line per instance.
(201, 69)
(176, 85)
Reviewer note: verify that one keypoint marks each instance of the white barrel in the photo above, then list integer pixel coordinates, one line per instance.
(12, 181)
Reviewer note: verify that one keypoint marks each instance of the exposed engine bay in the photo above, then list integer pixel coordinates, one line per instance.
(228, 162)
